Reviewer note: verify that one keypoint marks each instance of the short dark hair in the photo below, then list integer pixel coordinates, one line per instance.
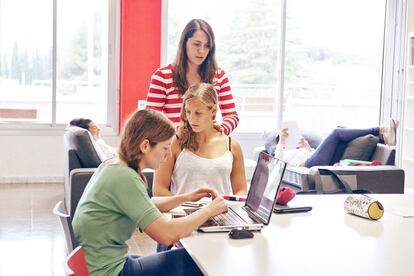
(81, 122)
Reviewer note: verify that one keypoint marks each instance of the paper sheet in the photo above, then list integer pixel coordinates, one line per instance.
(294, 134)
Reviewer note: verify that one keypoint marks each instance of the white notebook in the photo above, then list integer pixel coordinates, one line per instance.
(294, 134)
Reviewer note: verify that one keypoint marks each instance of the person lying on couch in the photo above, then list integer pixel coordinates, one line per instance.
(95, 131)
(331, 148)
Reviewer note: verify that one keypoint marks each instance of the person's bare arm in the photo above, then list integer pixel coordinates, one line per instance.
(166, 203)
(238, 174)
(162, 176)
(167, 231)
(283, 134)
(303, 143)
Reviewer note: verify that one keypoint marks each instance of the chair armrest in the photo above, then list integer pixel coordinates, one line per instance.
(298, 177)
(385, 154)
(78, 179)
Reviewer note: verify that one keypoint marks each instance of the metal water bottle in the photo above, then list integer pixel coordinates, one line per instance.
(364, 206)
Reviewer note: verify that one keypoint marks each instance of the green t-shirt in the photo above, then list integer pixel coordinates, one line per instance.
(115, 202)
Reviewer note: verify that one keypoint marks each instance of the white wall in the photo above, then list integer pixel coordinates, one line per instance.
(38, 158)
(33, 158)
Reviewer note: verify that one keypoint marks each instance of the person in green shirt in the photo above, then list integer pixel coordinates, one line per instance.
(115, 202)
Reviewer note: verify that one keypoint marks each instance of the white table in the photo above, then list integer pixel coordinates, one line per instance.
(325, 241)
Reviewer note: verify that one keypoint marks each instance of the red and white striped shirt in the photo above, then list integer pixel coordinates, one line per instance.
(163, 96)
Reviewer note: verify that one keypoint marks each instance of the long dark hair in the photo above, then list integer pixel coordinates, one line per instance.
(143, 124)
(207, 69)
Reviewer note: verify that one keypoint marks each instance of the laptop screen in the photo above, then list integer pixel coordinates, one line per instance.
(264, 186)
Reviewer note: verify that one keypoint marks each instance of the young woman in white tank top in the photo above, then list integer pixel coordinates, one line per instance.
(201, 156)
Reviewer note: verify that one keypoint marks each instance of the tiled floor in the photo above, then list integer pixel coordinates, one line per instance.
(31, 238)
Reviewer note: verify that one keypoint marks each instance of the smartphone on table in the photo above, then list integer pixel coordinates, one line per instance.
(288, 210)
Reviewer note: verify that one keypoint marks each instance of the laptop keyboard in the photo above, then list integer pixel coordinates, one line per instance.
(229, 218)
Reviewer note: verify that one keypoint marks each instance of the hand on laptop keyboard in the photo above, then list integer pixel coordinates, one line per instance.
(217, 206)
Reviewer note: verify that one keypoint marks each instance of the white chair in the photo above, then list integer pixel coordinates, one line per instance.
(66, 222)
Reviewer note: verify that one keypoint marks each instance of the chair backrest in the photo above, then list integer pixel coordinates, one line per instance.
(75, 264)
(80, 151)
(66, 222)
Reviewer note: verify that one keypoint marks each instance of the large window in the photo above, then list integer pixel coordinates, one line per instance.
(247, 42)
(333, 63)
(25, 59)
(28, 66)
(332, 60)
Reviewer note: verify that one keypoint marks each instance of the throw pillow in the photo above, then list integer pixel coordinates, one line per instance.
(270, 139)
(361, 148)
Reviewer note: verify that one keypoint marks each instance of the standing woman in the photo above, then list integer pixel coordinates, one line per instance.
(115, 202)
(195, 63)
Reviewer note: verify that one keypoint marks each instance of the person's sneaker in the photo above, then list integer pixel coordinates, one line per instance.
(390, 133)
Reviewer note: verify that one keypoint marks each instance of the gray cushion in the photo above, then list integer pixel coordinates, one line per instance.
(270, 141)
(361, 148)
(385, 154)
(79, 153)
(78, 139)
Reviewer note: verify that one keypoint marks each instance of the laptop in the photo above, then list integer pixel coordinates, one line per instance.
(257, 210)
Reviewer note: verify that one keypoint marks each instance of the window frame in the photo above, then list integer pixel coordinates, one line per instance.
(393, 76)
(392, 82)
(111, 128)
